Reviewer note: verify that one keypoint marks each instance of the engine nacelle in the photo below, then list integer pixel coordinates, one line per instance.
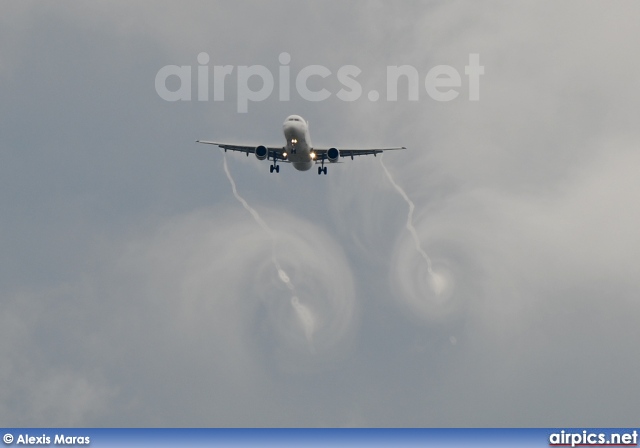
(261, 152)
(333, 154)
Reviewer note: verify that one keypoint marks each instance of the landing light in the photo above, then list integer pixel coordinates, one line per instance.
(284, 154)
(313, 155)
(294, 140)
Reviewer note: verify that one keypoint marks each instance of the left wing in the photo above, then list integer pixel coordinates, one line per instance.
(273, 151)
(322, 152)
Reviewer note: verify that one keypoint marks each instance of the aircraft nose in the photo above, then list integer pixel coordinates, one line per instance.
(288, 126)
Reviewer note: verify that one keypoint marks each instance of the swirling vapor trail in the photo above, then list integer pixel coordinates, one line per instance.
(304, 314)
(281, 273)
(437, 282)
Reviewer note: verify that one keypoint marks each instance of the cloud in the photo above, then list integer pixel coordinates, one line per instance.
(47, 346)
(201, 288)
(135, 291)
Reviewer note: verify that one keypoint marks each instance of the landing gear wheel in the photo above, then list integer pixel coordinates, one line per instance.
(271, 169)
(319, 170)
(324, 170)
(277, 168)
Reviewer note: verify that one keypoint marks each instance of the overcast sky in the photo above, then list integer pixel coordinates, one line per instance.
(137, 291)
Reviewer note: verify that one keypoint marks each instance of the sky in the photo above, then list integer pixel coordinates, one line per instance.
(136, 290)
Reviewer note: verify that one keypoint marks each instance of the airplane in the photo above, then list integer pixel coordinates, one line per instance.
(298, 151)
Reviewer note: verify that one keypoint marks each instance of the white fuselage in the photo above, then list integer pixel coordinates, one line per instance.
(299, 148)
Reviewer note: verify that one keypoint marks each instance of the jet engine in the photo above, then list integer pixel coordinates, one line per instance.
(261, 152)
(333, 154)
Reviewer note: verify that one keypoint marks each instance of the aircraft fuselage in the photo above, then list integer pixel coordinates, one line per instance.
(299, 149)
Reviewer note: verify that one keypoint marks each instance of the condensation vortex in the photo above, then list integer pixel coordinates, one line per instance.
(426, 286)
(303, 288)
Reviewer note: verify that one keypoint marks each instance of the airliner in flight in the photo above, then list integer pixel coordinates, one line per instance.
(298, 151)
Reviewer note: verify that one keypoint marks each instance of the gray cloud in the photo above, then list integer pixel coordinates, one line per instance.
(136, 291)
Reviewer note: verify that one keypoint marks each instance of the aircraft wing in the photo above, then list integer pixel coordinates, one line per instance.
(273, 150)
(322, 152)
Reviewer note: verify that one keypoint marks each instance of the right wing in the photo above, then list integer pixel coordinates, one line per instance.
(322, 152)
(274, 151)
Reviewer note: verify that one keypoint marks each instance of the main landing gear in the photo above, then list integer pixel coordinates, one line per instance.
(275, 167)
(322, 168)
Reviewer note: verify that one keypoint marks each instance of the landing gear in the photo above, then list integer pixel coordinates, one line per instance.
(275, 167)
(322, 168)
